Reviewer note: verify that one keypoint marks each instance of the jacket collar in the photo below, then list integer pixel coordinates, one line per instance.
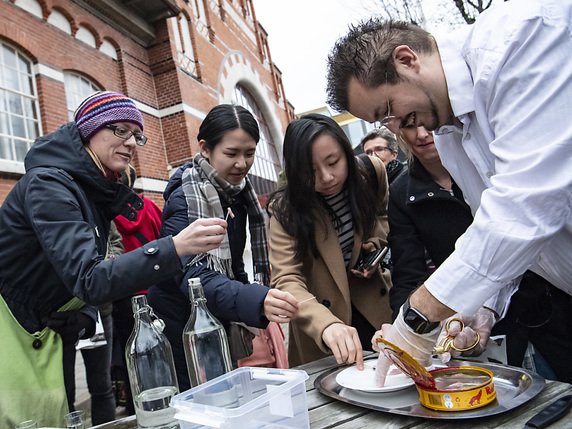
(422, 187)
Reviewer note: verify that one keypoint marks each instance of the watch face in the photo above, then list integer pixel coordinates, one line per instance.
(417, 322)
(413, 318)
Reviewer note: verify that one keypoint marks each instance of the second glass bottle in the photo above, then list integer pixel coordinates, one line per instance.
(204, 339)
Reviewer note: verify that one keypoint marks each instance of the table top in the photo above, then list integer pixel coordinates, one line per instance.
(326, 412)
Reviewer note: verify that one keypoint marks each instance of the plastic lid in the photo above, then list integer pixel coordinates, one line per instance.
(406, 363)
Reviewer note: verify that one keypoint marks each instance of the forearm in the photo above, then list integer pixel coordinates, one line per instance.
(429, 306)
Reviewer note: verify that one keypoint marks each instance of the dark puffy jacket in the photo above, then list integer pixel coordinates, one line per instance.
(422, 217)
(53, 234)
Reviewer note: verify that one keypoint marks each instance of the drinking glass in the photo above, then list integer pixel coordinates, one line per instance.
(75, 420)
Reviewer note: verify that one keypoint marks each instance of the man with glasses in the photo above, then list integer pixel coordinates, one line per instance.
(382, 143)
(498, 96)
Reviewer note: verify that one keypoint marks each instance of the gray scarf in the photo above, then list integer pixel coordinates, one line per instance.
(204, 188)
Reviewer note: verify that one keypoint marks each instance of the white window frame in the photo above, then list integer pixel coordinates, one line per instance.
(28, 110)
(77, 88)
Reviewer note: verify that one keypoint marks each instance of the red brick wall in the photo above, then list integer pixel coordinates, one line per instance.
(148, 74)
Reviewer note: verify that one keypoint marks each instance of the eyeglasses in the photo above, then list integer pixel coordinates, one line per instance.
(379, 149)
(396, 123)
(126, 134)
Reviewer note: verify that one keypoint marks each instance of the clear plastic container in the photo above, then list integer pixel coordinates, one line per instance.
(246, 398)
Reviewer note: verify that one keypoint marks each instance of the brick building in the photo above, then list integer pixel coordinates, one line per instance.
(176, 58)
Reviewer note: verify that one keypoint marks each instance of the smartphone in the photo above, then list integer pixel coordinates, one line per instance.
(370, 259)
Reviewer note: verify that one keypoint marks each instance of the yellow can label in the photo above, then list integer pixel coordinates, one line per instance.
(457, 400)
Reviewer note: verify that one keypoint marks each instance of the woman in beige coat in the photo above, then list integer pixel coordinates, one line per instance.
(321, 220)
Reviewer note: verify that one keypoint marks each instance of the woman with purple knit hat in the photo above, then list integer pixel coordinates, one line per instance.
(54, 226)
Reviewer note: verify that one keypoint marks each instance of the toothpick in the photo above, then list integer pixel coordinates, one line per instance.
(300, 302)
(229, 213)
(306, 300)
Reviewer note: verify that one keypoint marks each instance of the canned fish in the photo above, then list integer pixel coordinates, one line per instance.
(458, 388)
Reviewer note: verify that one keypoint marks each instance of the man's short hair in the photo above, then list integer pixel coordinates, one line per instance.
(366, 54)
(385, 134)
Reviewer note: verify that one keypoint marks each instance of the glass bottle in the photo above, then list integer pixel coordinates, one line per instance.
(204, 340)
(151, 369)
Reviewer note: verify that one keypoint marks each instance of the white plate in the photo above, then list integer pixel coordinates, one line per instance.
(354, 379)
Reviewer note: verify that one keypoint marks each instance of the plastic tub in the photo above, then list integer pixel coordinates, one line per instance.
(246, 398)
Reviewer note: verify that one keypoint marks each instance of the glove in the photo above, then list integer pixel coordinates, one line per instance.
(482, 322)
(419, 346)
(71, 325)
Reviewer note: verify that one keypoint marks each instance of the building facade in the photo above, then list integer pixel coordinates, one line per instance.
(176, 58)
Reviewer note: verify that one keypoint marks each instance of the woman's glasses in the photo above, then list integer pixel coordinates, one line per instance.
(125, 134)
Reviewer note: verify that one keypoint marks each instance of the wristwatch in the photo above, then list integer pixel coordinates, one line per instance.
(417, 321)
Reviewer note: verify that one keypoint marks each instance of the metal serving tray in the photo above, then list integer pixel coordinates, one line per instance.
(514, 387)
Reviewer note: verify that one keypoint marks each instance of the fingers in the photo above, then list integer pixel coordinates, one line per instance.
(465, 339)
(280, 306)
(211, 221)
(374, 344)
(368, 246)
(454, 328)
(200, 236)
(368, 272)
(381, 370)
(357, 273)
(344, 343)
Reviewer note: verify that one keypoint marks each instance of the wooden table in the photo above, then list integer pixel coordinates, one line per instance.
(328, 413)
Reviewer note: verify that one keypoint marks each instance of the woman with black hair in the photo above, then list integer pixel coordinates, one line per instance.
(214, 182)
(325, 216)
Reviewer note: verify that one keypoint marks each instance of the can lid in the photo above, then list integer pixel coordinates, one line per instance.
(406, 363)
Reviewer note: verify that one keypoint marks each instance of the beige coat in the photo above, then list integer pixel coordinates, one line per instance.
(325, 277)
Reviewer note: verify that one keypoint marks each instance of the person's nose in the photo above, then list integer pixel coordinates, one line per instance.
(422, 133)
(325, 175)
(130, 141)
(240, 163)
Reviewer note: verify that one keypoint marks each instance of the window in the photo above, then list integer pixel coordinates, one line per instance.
(198, 7)
(59, 20)
(19, 125)
(266, 164)
(77, 88)
(31, 6)
(183, 43)
(85, 35)
(108, 49)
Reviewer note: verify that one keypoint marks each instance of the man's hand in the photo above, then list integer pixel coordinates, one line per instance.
(420, 347)
(344, 343)
(481, 322)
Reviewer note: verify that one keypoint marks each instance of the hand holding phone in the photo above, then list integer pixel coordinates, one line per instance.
(370, 259)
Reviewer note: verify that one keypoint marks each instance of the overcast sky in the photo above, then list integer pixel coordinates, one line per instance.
(300, 35)
(302, 32)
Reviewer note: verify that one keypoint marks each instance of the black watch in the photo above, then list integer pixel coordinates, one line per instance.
(417, 321)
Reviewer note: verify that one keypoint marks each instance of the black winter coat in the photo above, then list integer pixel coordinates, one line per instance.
(422, 216)
(54, 226)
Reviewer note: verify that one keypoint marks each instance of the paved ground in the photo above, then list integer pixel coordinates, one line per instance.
(82, 398)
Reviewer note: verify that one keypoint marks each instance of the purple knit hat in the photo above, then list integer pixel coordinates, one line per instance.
(103, 108)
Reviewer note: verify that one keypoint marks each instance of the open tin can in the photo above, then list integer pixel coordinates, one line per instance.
(458, 388)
